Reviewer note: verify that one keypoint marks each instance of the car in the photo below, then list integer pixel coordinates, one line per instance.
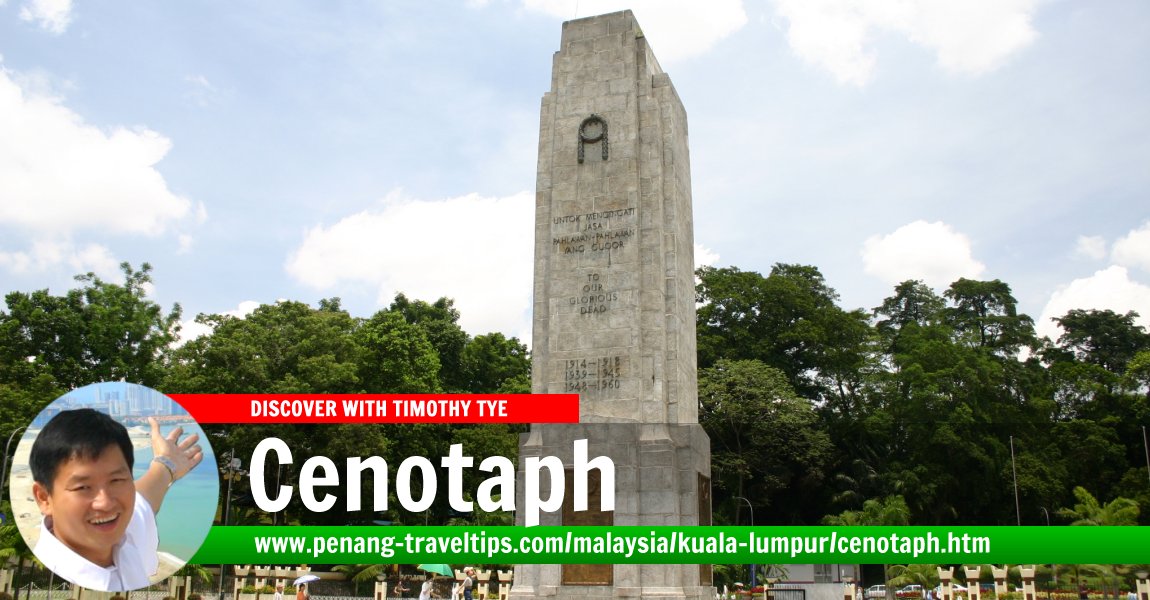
(875, 591)
(913, 590)
(954, 588)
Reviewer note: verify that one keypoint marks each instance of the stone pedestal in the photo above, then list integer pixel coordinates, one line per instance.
(1028, 592)
(999, 579)
(946, 582)
(972, 584)
(614, 303)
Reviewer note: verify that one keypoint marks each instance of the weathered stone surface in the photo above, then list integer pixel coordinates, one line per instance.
(614, 301)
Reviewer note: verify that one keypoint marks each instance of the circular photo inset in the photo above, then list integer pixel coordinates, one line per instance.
(114, 486)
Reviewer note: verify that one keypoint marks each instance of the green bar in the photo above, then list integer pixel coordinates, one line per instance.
(676, 545)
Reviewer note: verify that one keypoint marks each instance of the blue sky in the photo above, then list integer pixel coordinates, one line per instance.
(258, 151)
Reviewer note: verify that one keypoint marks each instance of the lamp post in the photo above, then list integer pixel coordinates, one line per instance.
(1146, 447)
(1014, 471)
(1053, 567)
(752, 579)
(4, 470)
(231, 470)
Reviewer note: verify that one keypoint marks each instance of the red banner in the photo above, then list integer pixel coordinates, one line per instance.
(381, 408)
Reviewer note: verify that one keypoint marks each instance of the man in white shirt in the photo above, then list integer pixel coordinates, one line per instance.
(99, 527)
(428, 590)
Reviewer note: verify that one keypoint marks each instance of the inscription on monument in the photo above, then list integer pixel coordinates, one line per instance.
(603, 373)
(595, 298)
(595, 231)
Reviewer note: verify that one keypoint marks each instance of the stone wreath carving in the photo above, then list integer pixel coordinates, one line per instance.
(590, 123)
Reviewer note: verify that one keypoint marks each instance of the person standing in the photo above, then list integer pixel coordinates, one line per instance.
(468, 582)
(426, 591)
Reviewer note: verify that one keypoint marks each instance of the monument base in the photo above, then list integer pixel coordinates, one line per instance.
(661, 477)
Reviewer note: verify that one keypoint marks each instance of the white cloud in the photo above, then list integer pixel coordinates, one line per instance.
(932, 252)
(475, 250)
(971, 36)
(1134, 249)
(63, 176)
(47, 254)
(190, 329)
(1092, 247)
(1109, 289)
(677, 29)
(52, 15)
(704, 256)
(60, 173)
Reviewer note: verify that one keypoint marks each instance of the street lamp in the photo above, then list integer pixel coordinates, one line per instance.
(231, 470)
(1017, 510)
(4, 470)
(1146, 447)
(750, 506)
(1053, 567)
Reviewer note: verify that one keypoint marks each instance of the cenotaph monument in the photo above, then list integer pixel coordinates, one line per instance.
(614, 305)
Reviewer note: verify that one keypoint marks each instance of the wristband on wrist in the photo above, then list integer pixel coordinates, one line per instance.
(169, 465)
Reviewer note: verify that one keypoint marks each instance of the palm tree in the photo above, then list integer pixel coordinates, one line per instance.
(196, 572)
(891, 510)
(1088, 511)
(360, 573)
(924, 575)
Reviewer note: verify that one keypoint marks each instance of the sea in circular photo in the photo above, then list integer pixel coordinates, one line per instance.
(94, 495)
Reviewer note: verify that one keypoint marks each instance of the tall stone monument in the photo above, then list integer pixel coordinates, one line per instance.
(614, 304)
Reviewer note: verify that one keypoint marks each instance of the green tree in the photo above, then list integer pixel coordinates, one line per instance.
(101, 331)
(1089, 511)
(440, 324)
(985, 315)
(891, 510)
(286, 347)
(788, 320)
(1102, 337)
(924, 575)
(493, 364)
(360, 573)
(766, 445)
(913, 302)
(396, 356)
